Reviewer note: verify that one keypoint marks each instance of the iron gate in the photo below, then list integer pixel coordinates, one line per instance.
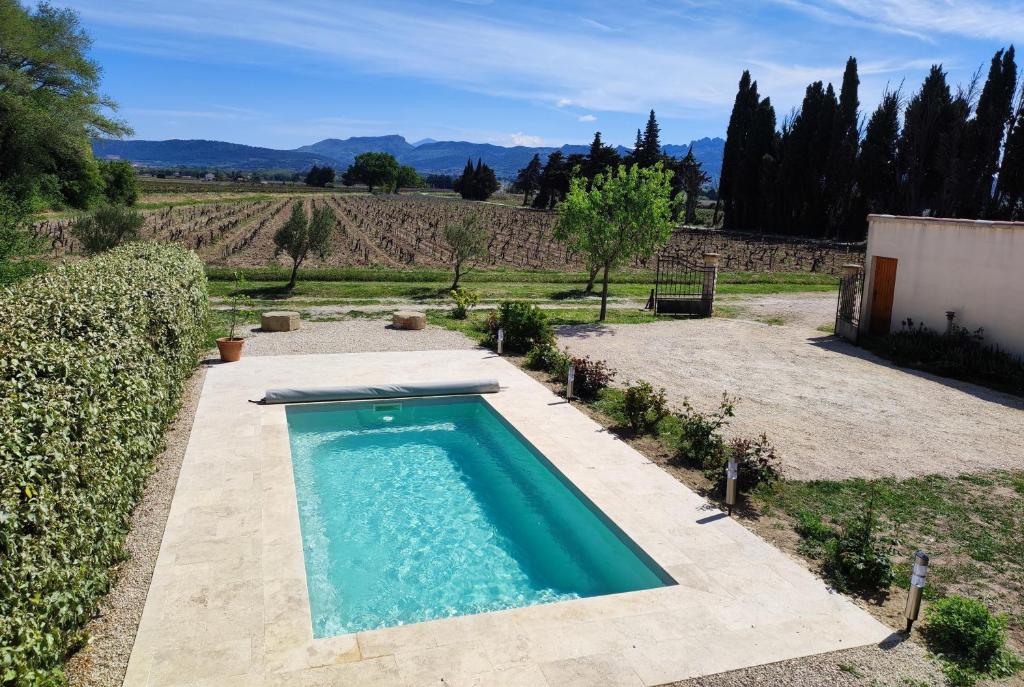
(683, 287)
(851, 287)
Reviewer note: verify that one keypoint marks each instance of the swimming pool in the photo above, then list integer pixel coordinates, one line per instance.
(430, 508)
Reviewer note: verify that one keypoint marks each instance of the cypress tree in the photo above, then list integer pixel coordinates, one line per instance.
(1010, 189)
(648, 152)
(925, 122)
(877, 171)
(732, 155)
(843, 154)
(984, 136)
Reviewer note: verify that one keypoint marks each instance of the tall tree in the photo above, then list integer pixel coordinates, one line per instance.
(877, 172)
(554, 181)
(925, 124)
(691, 179)
(740, 121)
(648, 153)
(623, 215)
(476, 183)
(301, 235)
(983, 137)
(842, 155)
(600, 159)
(528, 179)
(1010, 190)
(50, 106)
(372, 169)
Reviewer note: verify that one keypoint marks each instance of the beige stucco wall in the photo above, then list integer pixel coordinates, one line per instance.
(975, 268)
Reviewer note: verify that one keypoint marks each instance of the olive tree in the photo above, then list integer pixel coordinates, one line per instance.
(624, 214)
(467, 239)
(303, 234)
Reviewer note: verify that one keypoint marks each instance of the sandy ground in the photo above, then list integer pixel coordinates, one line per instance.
(834, 410)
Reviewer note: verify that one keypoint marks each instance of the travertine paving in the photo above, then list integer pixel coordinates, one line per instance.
(228, 603)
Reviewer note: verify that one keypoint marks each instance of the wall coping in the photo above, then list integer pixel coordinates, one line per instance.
(946, 221)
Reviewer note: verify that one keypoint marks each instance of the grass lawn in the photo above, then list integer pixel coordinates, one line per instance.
(432, 286)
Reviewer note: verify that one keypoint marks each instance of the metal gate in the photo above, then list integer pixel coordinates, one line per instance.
(683, 287)
(851, 288)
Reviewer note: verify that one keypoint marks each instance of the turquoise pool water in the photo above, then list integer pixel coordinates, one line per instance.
(430, 508)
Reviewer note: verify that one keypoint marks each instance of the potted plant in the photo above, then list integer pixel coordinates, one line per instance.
(230, 346)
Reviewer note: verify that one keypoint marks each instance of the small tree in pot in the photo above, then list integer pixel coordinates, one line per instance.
(230, 346)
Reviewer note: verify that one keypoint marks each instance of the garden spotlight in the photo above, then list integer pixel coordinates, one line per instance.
(570, 378)
(918, 575)
(732, 473)
(501, 340)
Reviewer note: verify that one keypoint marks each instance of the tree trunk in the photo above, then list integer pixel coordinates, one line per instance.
(295, 275)
(590, 281)
(604, 295)
(714, 216)
(458, 275)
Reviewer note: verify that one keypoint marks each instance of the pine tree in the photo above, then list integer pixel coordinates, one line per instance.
(528, 179)
(648, 151)
(600, 159)
(554, 181)
(692, 179)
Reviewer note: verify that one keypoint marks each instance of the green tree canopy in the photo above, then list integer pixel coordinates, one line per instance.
(408, 177)
(319, 176)
(477, 183)
(625, 214)
(50, 107)
(372, 169)
(528, 179)
(120, 186)
(301, 235)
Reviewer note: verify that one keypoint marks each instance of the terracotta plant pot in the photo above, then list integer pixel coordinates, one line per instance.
(230, 348)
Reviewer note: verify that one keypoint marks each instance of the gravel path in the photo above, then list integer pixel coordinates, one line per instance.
(104, 658)
(902, 664)
(351, 336)
(834, 410)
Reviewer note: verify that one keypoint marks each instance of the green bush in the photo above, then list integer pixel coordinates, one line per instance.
(93, 356)
(547, 358)
(965, 632)
(525, 326)
(644, 407)
(591, 377)
(107, 227)
(465, 299)
(700, 440)
(756, 463)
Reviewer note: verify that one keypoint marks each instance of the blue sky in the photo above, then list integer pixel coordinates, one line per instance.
(287, 73)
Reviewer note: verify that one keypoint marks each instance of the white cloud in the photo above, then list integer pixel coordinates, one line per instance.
(563, 102)
(521, 139)
(587, 118)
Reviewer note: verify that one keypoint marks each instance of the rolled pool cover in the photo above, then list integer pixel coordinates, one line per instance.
(357, 393)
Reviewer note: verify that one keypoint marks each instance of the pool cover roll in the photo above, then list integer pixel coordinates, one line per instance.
(358, 393)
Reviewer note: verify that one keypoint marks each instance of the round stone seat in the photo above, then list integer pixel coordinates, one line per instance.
(280, 321)
(409, 319)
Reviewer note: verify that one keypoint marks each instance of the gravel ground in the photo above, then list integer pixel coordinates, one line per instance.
(897, 663)
(103, 660)
(834, 410)
(810, 310)
(351, 336)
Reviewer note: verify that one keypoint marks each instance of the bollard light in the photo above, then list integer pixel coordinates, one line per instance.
(918, 577)
(732, 473)
(501, 341)
(570, 378)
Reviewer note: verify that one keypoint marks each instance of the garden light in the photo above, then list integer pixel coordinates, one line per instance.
(501, 341)
(569, 380)
(918, 575)
(732, 473)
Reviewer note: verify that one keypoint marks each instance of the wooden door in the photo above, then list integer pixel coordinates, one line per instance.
(883, 287)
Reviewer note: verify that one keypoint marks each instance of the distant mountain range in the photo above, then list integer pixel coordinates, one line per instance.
(427, 156)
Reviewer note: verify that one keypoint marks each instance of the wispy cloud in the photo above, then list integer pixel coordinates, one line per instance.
(586, 118)
(923, 18)
(521, 139)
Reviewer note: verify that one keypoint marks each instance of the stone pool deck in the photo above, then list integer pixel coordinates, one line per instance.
(228, 602)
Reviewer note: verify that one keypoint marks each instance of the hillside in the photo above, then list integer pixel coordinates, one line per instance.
(428, 157)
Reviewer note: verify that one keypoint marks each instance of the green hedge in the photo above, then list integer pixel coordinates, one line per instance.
(93, 356)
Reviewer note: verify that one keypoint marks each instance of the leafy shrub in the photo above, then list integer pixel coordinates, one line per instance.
(960, 354)
(859, 557)
(465, 299)
(547, 358)
(700, 441)
(107, 227)
(756, 462)
(525, 326)
(965, 631)
(644, 407)
(591, 377)
(93, 356)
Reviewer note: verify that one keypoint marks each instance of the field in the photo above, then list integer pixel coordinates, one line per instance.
(232, 225)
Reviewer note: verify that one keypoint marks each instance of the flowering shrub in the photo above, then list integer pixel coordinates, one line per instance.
(525, 326)
(93, 356)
